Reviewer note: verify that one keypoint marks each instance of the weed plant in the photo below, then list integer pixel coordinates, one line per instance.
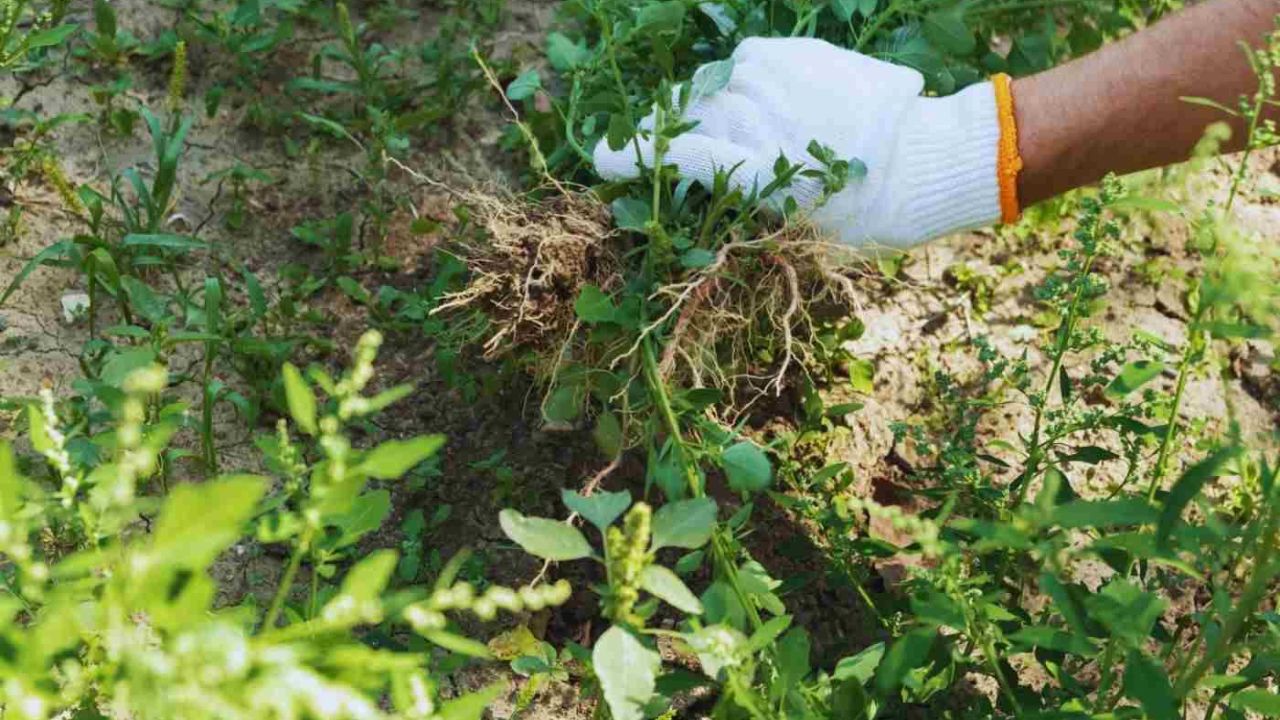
(1118, 549)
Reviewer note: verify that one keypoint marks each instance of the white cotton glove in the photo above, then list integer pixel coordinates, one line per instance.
(931, 162)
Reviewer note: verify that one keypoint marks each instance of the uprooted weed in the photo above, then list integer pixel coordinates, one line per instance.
(765, 309)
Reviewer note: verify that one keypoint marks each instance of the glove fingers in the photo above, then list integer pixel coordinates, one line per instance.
(812, 63)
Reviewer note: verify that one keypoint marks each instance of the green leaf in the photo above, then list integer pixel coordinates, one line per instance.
(1110, 513)
(1049, 638)
(660, 16)
(366, 580)
(49, 38)
(665, 585)
(547, 539)
(1187, 487)
(619, 132)
(524, 86)
(472, 705)
(769, 632)
(1133, 376)
(1262, 702)
(843, 9)
(947, 31)
(1147, 682)
(366, 515)
(627, 671)
(458, 644)
(301, 401)
(685, 524)
(599, 508)
(593, 306)
(906, 654)
(165, 241)
(696, 258)
(564, 53)
(710, 79)
(200, 520)
(862, 375)
(608, 435)
(393, 458)
(747, 467)
(1125, 609)
(1090, 455)
(49, 255)
(631, 213)
(860, 667)
(121, 364)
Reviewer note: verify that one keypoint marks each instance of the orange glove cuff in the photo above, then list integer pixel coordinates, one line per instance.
(1009, 164)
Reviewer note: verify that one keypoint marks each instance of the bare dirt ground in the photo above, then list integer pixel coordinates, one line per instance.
(915, 323)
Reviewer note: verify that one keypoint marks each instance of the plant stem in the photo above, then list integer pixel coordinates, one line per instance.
(286, 581)
(720, 550)
(1189, 354)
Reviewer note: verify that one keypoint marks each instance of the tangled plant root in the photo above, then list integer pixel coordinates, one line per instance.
(746, 324)
(528, 264)
(749, 323)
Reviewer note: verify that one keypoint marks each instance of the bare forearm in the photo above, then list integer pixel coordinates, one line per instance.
(1118, 110)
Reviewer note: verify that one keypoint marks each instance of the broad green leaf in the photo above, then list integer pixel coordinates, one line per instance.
(631, 213)
(710, 79)
(1147, 682)
(48, 38)
(547, 539)
(619, 133)
(564, 53)
(564, 405)
(906, 654)
(1040, 636)
(1188, 487)
(524, 86)
(844, 9)
(695, 258)
(393, 458)
(1262, 702)
(599, 508)
(770, 631)
(608, 434)
(366, 515)
(366, 580)
(472, 705)
(665, 585)
(860, 667)
(1133, 376)
(1125, 609)
(122, 364)
(593, 306)
(686, 524)
(657, 17)
(947, 31)
(793, 657)
(627, 671)
(301, 401)
(200, 520)
(747, 467)
(1109, 513)
(862, 375)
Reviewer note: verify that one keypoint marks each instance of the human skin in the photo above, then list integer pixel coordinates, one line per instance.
(1120, 109)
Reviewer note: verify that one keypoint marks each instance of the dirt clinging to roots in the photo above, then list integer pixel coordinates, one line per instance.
(528, 262)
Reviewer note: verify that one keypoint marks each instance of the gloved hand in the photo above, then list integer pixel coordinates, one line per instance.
(931, 162)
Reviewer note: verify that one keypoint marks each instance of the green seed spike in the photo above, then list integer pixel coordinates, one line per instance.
(178, 77)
